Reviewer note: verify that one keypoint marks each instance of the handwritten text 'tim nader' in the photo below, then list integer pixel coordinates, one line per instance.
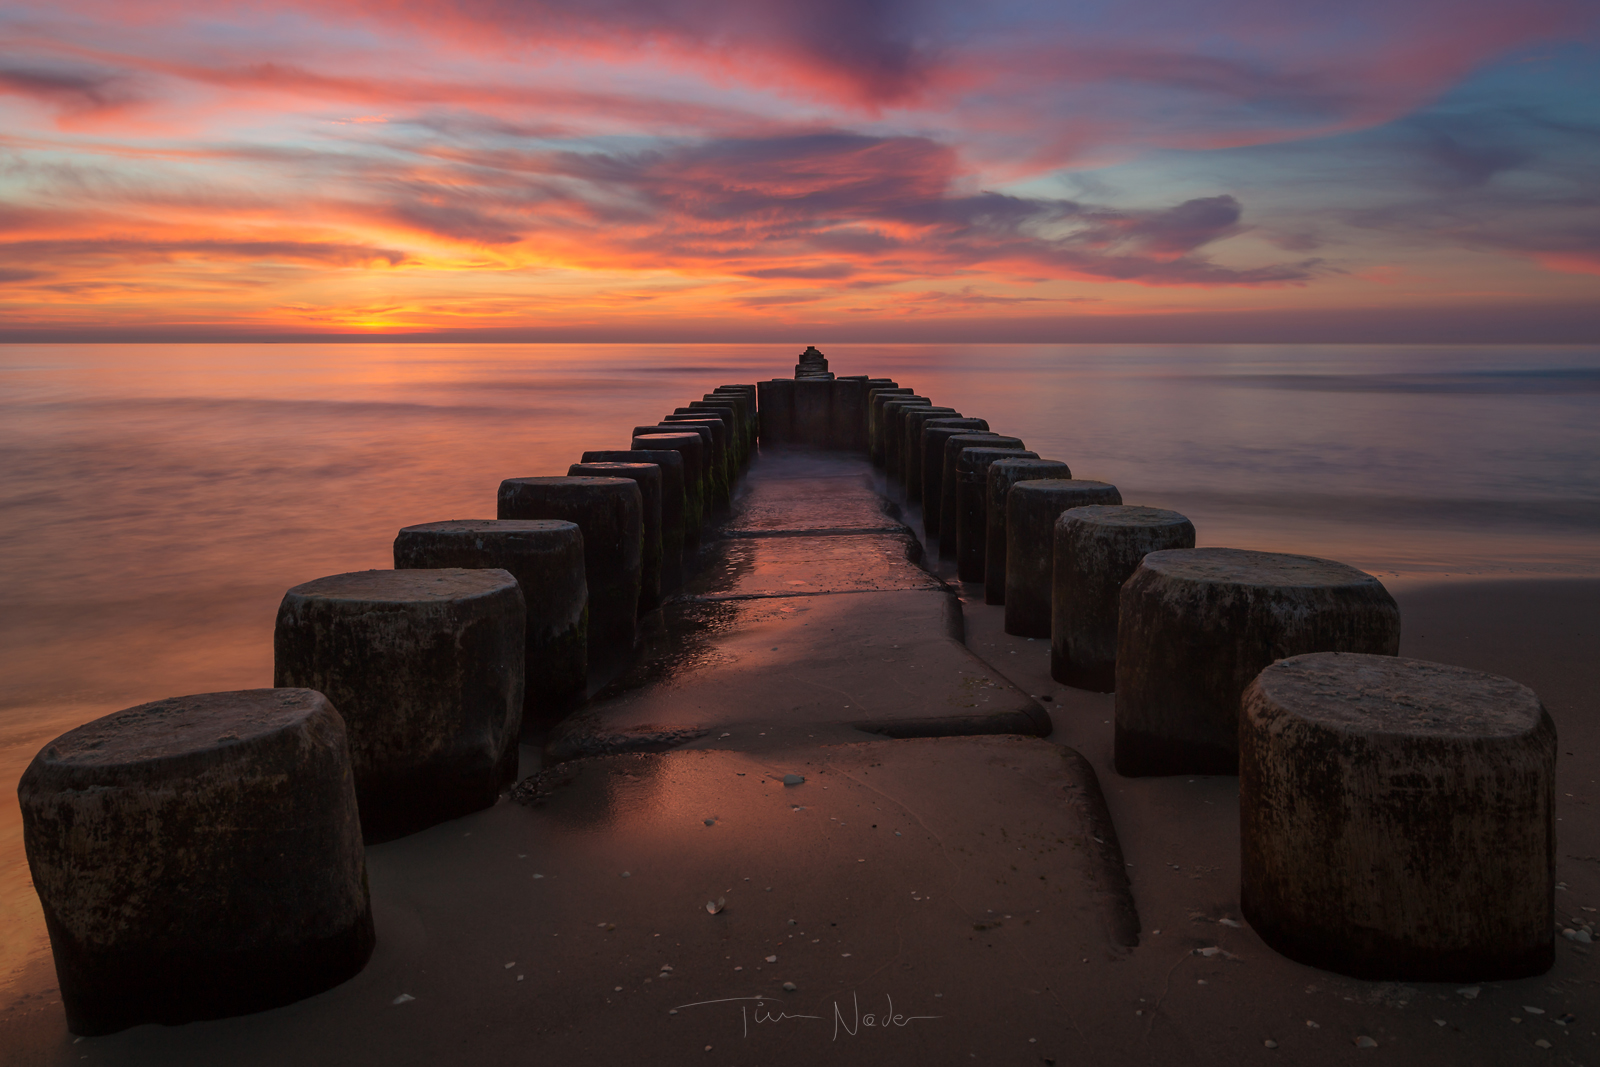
(885, 1020)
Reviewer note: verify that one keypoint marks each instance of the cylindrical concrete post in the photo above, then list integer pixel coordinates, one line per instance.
(875, 401)
(935, 432)
(729, 415)
(725, 464)
(198, 857)
(752, 419)
(911, 447)
(1097, 548)
(1397, 819)
(719, 463)
(691, 448)
(954, 445)
(972, 506)
(648, 477)
(775, 404)
(545, 556)
(426, 666)
(708, 464)
(732, 410)
(813, 411)
(1031, 511)
(745, 408)
(610, 512)
(872, 386)
(1003, 474)
(674, 504)
(893, 422)
(847, 415)
(1194, 626)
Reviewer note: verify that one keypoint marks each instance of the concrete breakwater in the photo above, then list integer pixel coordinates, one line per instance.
(807, 621)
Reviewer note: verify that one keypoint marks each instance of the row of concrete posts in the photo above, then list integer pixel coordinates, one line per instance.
(1397, 816)
(202, 856)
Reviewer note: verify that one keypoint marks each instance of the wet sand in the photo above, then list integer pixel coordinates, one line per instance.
(966, 878)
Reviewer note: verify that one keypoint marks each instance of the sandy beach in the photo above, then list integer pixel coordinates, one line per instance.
(934, 900)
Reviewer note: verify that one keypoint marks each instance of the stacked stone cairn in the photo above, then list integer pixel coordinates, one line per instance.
(402, 696)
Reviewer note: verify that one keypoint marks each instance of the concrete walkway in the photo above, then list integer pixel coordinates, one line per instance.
(810, 621)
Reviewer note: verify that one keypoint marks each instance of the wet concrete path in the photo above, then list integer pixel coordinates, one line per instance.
(810, 621)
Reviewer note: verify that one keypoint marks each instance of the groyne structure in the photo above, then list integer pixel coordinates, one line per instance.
(738, 591)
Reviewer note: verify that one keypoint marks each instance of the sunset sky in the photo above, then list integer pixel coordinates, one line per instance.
(805, 169)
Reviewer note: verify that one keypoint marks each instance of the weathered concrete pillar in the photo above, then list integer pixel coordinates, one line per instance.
(954, 445)
(752, 410)
(674, 504)
(1031, 511)
(426, 666)
(893, 426)
(911, 447)
(935, 432)
(719, 462)
(1196, 625)
(972, 506)
(813, 412)
(872, 386)
(692, 448)
(875, 401)
(648, 478)
(848, 414)
(775, 402)
(723, 448)
(1397, 819)
(1096, 550)
(709, 465)
(745, 397)
(729, 414)
(545, 556)
(1003, 474)
(734, 408)
(198, 857)
(610, 512)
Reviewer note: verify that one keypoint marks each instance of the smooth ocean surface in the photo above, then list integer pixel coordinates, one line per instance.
(156, 501)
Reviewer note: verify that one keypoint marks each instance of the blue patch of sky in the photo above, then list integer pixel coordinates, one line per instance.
(1529, 122)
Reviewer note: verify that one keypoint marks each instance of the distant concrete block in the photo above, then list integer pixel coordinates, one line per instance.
(610, 512)
(1032, 508)
(972, 507)
(1002, 475)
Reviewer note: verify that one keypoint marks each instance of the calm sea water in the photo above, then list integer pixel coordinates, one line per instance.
(156, 501)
